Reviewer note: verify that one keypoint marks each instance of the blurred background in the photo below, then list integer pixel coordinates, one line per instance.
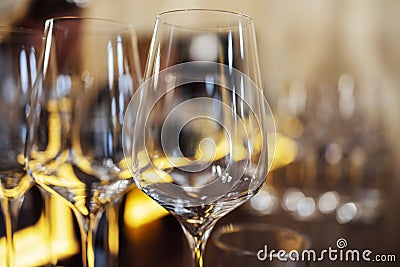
(331, 73)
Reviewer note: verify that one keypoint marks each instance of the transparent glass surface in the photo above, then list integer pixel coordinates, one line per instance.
(18, 58)
(199, 132)
(88, 72)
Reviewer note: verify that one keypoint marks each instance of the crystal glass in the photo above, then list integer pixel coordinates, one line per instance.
(89, 71)
(18, 53)
(199, 132)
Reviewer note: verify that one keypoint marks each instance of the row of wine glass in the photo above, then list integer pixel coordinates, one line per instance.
(197, 136)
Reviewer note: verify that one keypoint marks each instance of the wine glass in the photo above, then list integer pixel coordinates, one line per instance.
(89, 71)
(199, 134)
(18, 54)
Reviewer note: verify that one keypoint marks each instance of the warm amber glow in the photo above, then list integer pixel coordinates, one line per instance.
(210, 152)
(113, 229)
(31, 249)
(140, 209)
(65, 178)
(63, 242)
(24, 184)
(286, 151)
(32, 243)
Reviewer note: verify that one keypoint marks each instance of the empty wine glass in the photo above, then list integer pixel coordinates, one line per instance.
(18, 54)
(89, 71)
(199, 134)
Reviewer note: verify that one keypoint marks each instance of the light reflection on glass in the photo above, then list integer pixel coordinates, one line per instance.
(333, 153)
(305, 208)
(291, 198)
(328, 202)
(265, 202)
(23, 67)
(204, 47)
(32, 64)
(110, 65)
(346, 213)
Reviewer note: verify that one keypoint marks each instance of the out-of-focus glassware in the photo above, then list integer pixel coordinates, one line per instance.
(19, 50)
(258, 244)
(341, 158)
(88, 73)
(199, 132)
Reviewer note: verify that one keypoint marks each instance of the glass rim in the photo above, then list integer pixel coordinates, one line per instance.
(161, 16)
(122, 26)
(232, 228)
(21, 30)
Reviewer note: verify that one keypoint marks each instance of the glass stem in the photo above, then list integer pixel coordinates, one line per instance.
(197, 243)
(48, 228)
(88, 228)
(112, 234)
(11, 208)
